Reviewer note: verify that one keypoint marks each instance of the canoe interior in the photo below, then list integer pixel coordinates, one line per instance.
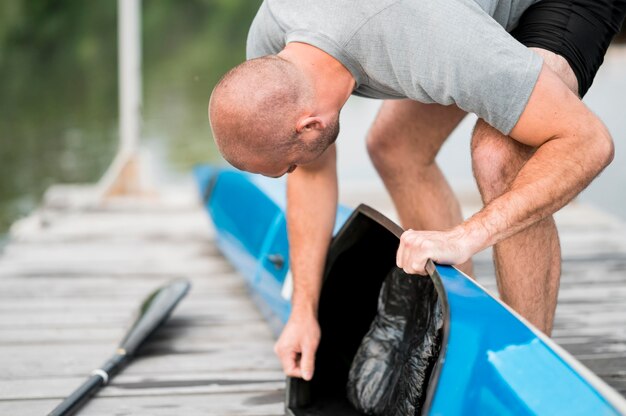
(361, 256)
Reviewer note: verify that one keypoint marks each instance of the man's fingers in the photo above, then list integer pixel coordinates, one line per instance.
(410, 256)
(297, 345)
(409, 252)
(307, 363)
(296, 364)
(289, 362)
(402, 249)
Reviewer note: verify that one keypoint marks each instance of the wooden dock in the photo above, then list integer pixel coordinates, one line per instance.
(74, 272)
(70, 280)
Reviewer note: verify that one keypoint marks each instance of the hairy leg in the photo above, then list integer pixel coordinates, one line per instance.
(528, 265)
(403, 143)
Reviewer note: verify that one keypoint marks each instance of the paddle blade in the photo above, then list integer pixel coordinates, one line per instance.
(154, 311)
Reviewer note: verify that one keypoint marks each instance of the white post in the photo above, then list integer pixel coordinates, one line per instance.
(129, 53)
(124, 177)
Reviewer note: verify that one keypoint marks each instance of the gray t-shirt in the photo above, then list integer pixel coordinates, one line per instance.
(444, 51)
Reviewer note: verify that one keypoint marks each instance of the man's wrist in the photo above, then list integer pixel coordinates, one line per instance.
(472, 235)
(304, 305)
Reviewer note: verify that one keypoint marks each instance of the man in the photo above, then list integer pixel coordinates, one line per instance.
(534, 147)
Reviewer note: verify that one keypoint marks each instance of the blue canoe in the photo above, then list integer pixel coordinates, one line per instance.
(490, 360)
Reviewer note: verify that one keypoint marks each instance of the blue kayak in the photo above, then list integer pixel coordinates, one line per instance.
(487, 359)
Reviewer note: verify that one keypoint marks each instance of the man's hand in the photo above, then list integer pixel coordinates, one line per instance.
(297, 345)
(446, 247)
(311, 207)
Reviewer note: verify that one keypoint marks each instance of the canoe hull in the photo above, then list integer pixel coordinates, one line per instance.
(491, 361)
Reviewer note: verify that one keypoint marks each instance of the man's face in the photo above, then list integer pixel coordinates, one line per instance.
(275, 166)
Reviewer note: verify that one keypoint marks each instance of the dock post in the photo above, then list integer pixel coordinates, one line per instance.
(123, 177)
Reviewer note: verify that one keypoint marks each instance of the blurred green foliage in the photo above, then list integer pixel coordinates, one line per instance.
(186, 51)
(58, 88)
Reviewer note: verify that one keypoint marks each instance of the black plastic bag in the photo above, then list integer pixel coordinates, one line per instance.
(390, 371)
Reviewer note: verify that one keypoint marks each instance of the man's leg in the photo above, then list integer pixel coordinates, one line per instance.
(528, 265)
(402, 143)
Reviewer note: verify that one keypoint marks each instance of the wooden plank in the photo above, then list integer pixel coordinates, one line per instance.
(46, 226)
(208, 303)
(107, 286)
(125, 385)
(261, 403)
(161, 251)
(99, 268)
(65, 360)
(121, 320)
(247, 331)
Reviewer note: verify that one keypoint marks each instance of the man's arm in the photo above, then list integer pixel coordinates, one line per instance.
(573, 147)
(311, 210)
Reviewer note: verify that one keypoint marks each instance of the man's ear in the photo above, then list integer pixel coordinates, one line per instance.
(307, 124)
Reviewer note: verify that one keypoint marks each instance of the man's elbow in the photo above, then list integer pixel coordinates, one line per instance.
(592, 145)
(602, 145)
(609, 149)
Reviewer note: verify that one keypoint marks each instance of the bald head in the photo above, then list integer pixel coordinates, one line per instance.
(255, 107)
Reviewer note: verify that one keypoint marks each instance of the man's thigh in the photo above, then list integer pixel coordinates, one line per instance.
(413, 129)
(572, 36)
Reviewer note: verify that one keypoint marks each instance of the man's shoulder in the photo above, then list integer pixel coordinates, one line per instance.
(336, 20)
(265, 36)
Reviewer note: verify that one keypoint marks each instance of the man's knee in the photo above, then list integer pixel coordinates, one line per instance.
(390, 148)
(390, 142)
(378, 144)
(496, 160)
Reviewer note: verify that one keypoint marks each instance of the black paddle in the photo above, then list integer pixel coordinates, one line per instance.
(154, 311)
